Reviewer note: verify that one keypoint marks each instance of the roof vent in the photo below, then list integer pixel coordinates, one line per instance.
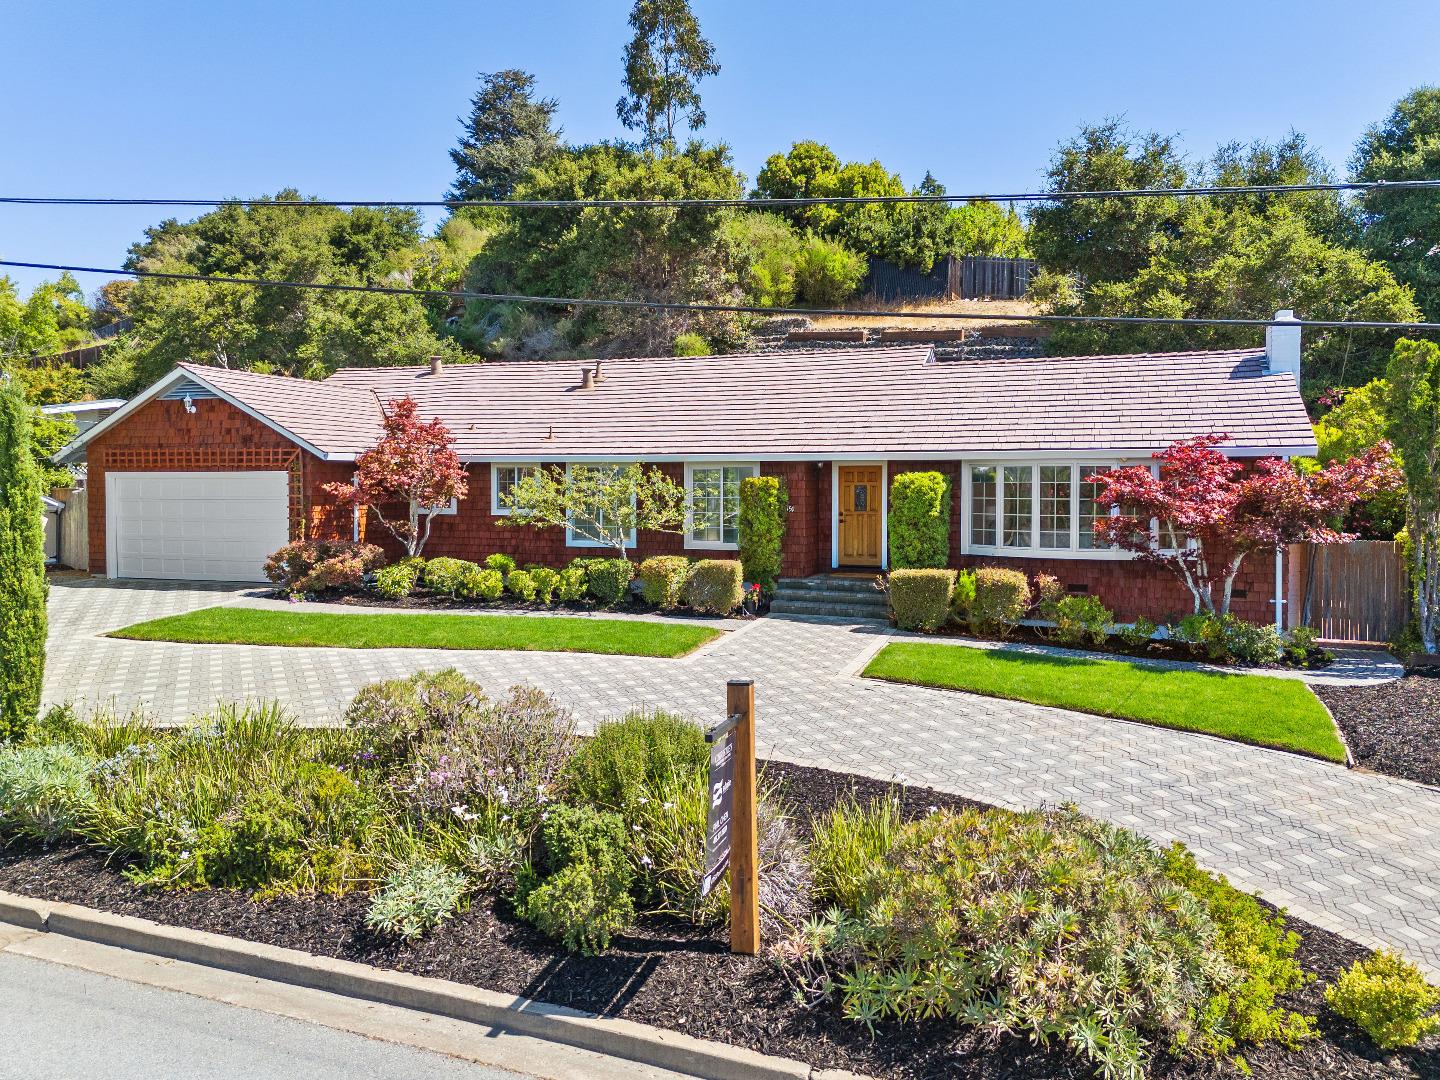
(436, 363)
(587, 378)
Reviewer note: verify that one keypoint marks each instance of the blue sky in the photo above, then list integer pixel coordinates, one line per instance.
(360, 99)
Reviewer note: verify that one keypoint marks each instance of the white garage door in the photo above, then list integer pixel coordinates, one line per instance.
(196, 526)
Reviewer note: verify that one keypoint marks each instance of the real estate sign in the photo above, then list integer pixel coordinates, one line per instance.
(718, 827)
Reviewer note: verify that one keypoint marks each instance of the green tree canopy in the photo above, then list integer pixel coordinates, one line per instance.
(52, 319)
(661, 254)
(1207, 257)
(1412, 415)
(911, 234)
(664, 63)
(1402, 228)
(295, 331)
(508, 132)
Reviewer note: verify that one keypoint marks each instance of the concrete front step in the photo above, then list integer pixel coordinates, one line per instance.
(831, 583)
(832, 596)
(862, 612)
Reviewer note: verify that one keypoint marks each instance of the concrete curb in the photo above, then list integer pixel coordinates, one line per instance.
(616, 1038)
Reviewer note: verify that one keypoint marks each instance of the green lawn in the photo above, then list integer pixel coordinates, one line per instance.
(1282, 713)
(257, 626)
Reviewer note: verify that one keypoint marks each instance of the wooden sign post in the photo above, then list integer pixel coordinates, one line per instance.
(731, 838)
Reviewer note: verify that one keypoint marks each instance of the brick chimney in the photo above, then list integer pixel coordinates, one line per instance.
(1282, 344)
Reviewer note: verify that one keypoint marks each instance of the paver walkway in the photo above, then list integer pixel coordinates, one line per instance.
(1354, 852)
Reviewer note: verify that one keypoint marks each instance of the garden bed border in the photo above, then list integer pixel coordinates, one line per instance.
(625, 1039)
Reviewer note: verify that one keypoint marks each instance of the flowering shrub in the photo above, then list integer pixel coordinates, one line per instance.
(390, 718)
(322, 565)
(500, 762)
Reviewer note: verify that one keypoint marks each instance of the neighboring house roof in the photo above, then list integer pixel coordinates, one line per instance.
(895, 402)
(69, 407)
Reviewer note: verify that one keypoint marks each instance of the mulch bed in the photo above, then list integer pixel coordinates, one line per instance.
(669, 974)
(1393, 727)
(1156, 649)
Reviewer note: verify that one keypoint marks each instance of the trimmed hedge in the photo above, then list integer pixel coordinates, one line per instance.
(764, 502)
(22, 569)
(716, 586)
(608, 580)
(662, 579)
(921, 598)
(480, 583)
(1002, 597)
(919, 521)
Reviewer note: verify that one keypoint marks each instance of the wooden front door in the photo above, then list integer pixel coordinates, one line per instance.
(861, 496)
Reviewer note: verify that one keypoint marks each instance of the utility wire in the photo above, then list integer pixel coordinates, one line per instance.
(733, 309)
(818, 200)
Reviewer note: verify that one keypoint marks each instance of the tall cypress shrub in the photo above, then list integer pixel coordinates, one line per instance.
(22, 569)
(764, 502)
(919, 521)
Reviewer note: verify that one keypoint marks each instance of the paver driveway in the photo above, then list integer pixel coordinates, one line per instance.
(1350, 851)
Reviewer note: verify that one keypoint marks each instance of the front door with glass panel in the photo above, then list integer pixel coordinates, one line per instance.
(860, 509)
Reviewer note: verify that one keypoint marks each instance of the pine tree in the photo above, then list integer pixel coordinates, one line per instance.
(507, 133)
(22, 569)
(664, 64)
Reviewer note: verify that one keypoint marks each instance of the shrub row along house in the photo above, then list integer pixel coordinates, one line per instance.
(210, 470)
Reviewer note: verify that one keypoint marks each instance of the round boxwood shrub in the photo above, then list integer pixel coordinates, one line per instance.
(919, 522)
(716, 586)
(921, 598)
(573, 584)
(443, 575)
(764, 503)
(1002, 597)
(662, 579)
(503, 563)
(398, 581)
(608, 579)
(521, 585)
(546, 582)
(478, 583)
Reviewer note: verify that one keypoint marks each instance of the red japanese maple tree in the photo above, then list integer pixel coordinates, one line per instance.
(413, 464)
(1203, 512)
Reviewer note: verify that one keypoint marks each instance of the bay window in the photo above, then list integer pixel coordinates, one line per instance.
(714, 504)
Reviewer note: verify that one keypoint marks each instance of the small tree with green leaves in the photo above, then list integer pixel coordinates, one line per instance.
(599, 504)
(22, 569)
(1412, 424)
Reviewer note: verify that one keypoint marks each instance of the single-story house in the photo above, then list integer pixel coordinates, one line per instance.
(209, 470)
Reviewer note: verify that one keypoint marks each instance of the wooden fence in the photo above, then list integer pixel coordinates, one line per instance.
(1349, 592)
(971, 277)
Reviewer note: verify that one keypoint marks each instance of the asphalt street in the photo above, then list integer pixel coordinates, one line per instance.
(61, 1023)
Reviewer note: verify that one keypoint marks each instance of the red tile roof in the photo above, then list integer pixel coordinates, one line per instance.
(878, 402)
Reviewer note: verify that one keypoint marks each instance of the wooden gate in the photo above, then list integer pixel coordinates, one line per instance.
(1349, 592)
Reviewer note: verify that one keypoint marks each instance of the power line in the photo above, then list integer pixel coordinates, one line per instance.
(728, 309)
(818, 200)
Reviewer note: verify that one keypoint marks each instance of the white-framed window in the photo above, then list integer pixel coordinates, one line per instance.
(502, 479)
(1034, 508)
(574, 539)
(450, 509)
(713, 503)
